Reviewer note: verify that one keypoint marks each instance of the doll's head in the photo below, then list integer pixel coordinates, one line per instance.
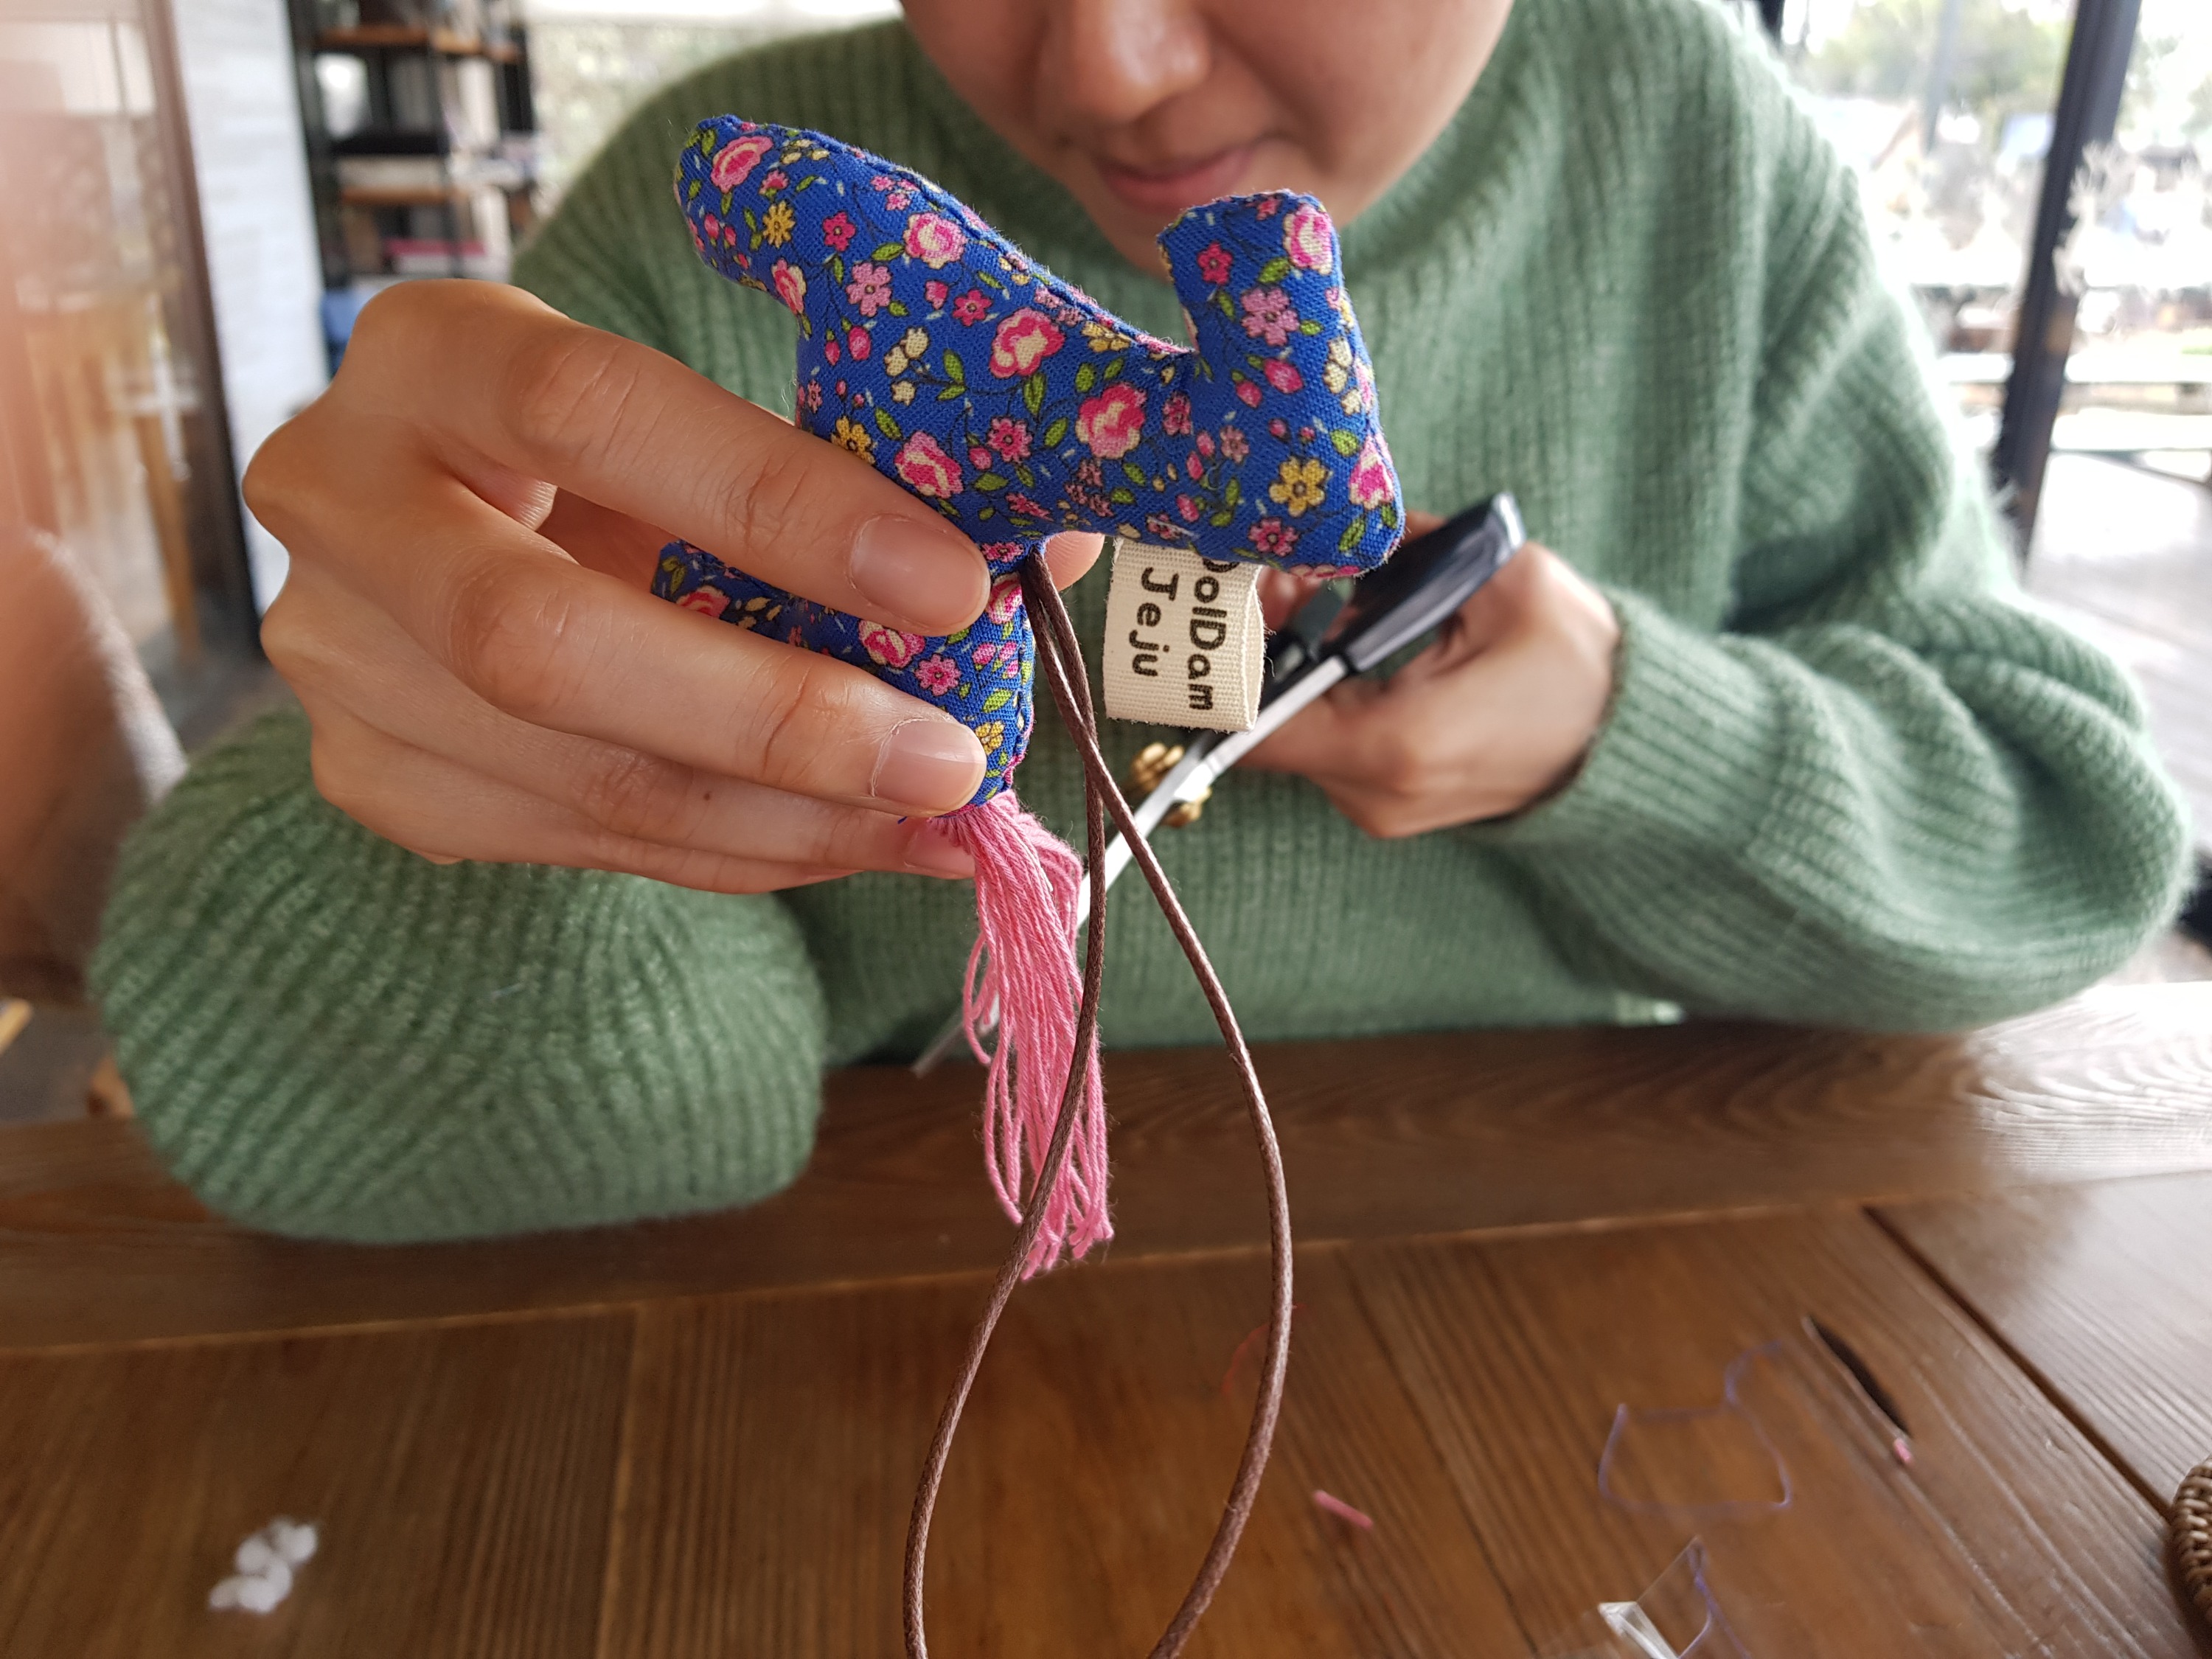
(1143, 108)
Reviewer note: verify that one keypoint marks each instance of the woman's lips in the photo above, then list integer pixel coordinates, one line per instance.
(1185, 184)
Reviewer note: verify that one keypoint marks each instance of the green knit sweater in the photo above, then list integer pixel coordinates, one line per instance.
(1848, 775)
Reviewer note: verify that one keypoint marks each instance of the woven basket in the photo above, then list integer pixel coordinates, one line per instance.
(2193, 1538)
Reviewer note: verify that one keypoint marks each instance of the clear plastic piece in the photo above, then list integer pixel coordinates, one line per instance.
(1678, 1617)
(1702, 1462)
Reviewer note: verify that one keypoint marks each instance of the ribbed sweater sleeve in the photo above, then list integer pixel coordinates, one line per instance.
(1888, 794)
(326, 1036)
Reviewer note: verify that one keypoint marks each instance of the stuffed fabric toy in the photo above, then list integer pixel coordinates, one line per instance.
(1015, 405)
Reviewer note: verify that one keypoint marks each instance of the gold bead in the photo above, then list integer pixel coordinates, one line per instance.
(1188, 812)
(1153, 761)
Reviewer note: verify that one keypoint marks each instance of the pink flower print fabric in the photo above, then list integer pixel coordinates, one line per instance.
(935, 351)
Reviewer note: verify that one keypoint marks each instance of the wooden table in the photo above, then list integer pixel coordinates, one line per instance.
(700, 1438)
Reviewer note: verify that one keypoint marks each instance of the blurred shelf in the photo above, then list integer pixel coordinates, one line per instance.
(406, 37)
(392, 196)
(433, 169)
(388, 196)
(393, 141)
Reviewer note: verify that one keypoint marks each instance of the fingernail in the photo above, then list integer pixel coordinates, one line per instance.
(916, 570)
(933, 764)
(933, 853)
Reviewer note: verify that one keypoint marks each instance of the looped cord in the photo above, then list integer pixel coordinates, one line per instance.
(1061, 659)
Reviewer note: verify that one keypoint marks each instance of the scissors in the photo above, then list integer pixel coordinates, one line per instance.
(1331, 639)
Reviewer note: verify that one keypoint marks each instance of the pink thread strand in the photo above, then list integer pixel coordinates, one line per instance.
(1028, 882)
(1244, 1350)
(1341, 1510)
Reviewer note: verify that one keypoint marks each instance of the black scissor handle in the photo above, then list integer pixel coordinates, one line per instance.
(1425, 582)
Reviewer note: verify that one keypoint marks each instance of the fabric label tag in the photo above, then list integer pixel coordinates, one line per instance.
(1184, 642)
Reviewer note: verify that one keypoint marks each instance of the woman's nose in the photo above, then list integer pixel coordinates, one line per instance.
(1112, 61)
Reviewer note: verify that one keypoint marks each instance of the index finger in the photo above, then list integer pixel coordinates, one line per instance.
(634, 430)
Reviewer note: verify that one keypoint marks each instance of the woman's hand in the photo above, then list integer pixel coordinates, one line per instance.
(1492, 717)
(474, 510)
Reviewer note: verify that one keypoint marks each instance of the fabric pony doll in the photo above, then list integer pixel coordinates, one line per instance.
(1015, 405)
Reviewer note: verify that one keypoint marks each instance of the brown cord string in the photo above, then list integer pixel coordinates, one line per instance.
(1061, 659)
(1010, 1275)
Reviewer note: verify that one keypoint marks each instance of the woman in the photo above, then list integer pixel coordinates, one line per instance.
(1770, 733)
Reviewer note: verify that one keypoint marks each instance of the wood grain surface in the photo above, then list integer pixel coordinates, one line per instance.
(2104, 1292)
(699, 1439)
(1389, 1137)
(483, 1490)
(462, 1479)
(2009, 1534)
(774, 1442)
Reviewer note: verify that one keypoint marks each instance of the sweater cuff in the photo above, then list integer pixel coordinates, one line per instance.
(1686, 757)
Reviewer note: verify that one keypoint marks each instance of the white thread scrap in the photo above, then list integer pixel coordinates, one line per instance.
(266, 1563)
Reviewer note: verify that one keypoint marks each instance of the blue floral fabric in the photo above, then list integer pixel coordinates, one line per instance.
(982, 676)
(1017, 406)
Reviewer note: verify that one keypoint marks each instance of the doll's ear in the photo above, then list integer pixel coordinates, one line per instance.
(1242, 240)
(1277, 354)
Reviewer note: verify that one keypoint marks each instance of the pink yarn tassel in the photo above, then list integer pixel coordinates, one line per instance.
(1024, 964)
